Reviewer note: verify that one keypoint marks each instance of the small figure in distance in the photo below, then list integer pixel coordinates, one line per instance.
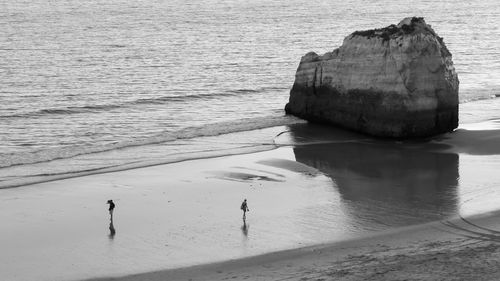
(244, 208)
(111, 208)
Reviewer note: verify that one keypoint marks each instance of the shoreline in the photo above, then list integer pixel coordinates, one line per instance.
(402, 246)
(482, 110)
(127, 167)
(320, 186)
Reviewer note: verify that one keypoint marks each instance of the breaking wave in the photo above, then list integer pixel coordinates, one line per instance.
(214, 129)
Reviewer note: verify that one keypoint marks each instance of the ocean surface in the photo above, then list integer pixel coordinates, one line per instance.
(91, 85)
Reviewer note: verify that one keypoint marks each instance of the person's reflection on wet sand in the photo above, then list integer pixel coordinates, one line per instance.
(112, 230)
(244, 228)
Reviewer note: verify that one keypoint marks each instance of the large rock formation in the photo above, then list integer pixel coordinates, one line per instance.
(398, 81)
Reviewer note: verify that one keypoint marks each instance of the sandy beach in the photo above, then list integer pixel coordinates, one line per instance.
(455, 249)
(463, 246)
(324, 205)
(168, 215)
(318, 210)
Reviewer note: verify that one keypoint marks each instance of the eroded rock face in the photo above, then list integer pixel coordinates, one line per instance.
(397, 81)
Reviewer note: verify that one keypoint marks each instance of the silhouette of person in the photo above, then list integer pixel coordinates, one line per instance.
(111, 207)
(244, 208)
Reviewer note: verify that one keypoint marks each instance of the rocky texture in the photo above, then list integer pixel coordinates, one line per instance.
(397, 81)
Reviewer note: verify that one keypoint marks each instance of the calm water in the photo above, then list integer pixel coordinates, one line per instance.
(81, 81)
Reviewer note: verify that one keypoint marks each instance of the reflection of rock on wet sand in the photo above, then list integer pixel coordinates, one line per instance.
(385, 182)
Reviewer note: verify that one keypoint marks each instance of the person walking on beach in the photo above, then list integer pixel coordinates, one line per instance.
(111, 207)
(244, 208)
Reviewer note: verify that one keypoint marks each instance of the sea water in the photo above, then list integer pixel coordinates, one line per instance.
(93, 85)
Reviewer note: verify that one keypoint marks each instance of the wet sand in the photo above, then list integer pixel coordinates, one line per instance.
(352, 195)
(454, 249)
(166, 216)
(465, 246)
